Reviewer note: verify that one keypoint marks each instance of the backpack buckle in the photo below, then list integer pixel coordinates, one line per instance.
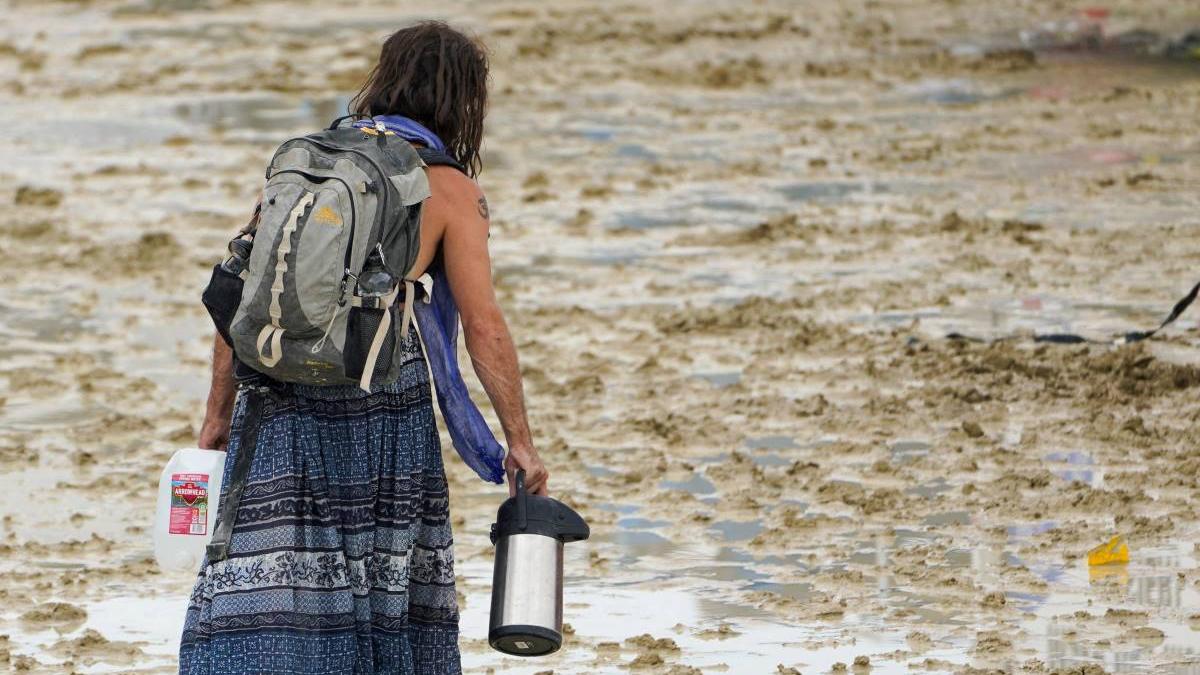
(342, 291)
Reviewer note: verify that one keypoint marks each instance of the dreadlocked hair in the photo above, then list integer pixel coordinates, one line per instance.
(435, 75)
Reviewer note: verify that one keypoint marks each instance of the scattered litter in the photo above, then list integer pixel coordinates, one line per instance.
(1115, 551)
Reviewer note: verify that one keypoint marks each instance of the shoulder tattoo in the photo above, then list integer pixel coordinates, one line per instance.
(484, 211)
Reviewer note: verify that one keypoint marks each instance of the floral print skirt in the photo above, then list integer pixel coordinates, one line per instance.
(341, 559)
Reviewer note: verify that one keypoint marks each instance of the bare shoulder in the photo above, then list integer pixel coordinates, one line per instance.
(456, 196)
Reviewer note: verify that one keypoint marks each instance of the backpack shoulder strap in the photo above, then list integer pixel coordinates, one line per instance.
(433, 157)
(436, 158)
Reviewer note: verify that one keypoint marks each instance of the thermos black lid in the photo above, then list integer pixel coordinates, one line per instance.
(535, 514)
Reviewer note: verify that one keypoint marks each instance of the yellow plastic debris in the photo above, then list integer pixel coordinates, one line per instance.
(1115, 551)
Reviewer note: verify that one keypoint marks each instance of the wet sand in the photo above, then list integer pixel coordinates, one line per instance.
(730, 240)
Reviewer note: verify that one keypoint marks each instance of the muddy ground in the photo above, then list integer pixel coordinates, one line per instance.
(730, 238)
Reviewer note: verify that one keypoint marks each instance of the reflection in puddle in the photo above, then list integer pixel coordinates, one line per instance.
(730, 554)
(760, 641)
(771, 442)
(949, 518)
(718, 458)
(641, 523)
(154, 624)
(1026, 530)
(795, 591)
(1150, 582)
(697, 485)
(1071, 458)
(803, 192)
(721, 379)
(643, 221)
(960, 557)
(931, 489)
(1082, 467)
(770, 459)
(952, 92)
(593, 256)
(625, 602)
(726, 573)
(600, 471)
(906, 537)
(597, 133)
(732, 530)
(897, 318)
(635, 151)
(636, 544)
(28, 324)
(59, 565)
(133, 618)
(728, 204)
(618, 508)
(906, 451)
(61, 412)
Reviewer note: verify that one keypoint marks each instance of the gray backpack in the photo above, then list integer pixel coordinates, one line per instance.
(338, 229)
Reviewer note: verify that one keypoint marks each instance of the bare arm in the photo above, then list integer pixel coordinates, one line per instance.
(214, 432)
(493, 355)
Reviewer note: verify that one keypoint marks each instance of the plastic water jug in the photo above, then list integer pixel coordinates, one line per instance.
(189, 492)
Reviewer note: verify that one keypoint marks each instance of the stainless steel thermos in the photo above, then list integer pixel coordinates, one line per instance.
(527, 585)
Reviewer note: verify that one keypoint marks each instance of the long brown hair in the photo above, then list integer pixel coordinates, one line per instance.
(435, 75)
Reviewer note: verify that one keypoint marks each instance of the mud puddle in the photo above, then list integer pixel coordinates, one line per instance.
(261, 117)
(727, 239)
(1137, 616)
(704, 629)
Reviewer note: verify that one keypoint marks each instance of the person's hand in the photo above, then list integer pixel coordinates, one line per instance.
(214, 434)
(536, 476)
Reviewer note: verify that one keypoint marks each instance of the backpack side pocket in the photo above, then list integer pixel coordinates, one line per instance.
(221, 298)
(362, 323)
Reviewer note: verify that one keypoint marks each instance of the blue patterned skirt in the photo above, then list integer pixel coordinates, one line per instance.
(340, 560)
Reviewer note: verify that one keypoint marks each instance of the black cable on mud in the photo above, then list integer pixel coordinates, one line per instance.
(1073, 339)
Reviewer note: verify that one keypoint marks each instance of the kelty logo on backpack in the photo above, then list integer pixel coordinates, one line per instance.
(327, 216)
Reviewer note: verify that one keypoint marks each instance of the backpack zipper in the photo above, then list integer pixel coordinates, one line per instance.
(383, 193)
(341, 300)
(353, 215)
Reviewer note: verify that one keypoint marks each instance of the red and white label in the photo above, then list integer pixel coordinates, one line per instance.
(189, 504)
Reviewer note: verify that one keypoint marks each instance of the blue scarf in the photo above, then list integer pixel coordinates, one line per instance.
(438, 321)
(408, 129)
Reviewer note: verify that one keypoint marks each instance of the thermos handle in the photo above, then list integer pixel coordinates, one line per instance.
(522, 495)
